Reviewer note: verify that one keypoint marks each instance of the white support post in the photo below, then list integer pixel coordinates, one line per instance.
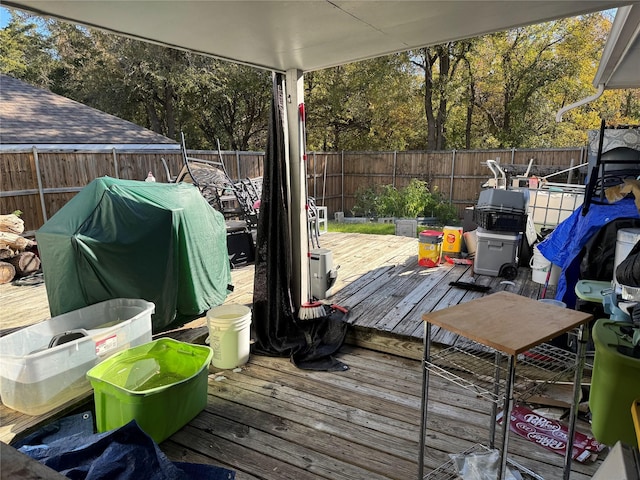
(299, 229)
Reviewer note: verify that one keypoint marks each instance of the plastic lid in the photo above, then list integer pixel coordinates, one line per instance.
(431, 233)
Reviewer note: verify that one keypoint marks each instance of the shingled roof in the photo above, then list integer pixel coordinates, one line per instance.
(33, 116)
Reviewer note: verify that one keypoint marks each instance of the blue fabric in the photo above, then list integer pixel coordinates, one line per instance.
(126, 453)
(563, 246)
(81, 423)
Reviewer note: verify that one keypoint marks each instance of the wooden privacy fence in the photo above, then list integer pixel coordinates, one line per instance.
(40, 182)
(334, 178)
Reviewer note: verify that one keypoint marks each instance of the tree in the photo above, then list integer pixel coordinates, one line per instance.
(25, 51)
(439, 65)
(369, 105)
(499, 90)
(524, 76)
(163, 89)
(229, 102)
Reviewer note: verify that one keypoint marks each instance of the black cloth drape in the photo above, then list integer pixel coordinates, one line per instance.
(275, 327)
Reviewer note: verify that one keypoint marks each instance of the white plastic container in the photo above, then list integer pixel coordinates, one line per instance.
(229, 335)
(540, 268)
(626, 238)
(36, 378)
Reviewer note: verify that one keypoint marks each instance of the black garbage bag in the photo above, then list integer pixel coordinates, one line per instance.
(628, 272)
(275, 327)
(598, 255)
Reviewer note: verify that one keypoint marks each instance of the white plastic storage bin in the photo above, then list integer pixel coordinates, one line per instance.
(44, 366)
(495, 253)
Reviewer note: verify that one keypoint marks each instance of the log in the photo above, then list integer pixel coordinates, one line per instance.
(25, 263)
(11, 223)
(7, 272)
(14, 242)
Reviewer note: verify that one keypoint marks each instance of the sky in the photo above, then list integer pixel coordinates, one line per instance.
(4, 17)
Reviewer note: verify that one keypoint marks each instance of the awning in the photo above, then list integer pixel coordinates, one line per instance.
(620, 62)
(309, 34)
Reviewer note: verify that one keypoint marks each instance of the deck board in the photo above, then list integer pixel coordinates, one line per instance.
(271, 420)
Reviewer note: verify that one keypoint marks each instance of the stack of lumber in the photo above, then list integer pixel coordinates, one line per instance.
(15, 258)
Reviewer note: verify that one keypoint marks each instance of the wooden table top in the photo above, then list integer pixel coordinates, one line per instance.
(507, 322)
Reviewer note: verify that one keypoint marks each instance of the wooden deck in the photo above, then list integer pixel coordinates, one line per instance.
(270, 420)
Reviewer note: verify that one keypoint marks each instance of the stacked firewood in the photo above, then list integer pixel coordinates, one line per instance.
(16, 259)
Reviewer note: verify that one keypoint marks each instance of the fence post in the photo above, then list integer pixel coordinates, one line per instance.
(39, 178)
(115, 162)
(342, 179)
(453, 167)
(570, 175)
(395, 166)
(315, 178)
(238, 165)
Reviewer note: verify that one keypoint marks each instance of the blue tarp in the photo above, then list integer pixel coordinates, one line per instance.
(126, 453)
(563, 246)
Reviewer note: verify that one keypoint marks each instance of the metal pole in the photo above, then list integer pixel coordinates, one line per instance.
(39, 178)
(238, 165)
(583, 338)
(298, 184)
(424, 401)
(513, 155)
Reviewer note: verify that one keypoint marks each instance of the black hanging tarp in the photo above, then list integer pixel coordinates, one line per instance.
(276, 329)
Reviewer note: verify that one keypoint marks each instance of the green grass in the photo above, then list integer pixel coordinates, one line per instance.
(374, 228)
(370, 227)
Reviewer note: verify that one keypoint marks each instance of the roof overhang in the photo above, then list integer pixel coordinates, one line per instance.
(620, 62)
(306, 35)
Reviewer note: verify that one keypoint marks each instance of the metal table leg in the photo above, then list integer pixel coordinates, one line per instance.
(425, 396)
(506, 418)
(583, 338)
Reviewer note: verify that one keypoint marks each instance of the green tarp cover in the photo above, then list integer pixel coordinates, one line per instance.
(132, 239)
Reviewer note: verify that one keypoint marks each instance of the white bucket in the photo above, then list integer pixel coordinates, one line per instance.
(626, 239)
(540, 267)
(229, 335)
(551, 301)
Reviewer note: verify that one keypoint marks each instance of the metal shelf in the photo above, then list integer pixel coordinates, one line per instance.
(447, 471)
(475, 369)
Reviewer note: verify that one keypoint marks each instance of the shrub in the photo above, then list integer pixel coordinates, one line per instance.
(365, 204)
(414, 200)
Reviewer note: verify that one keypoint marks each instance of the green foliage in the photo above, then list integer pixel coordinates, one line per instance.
(390, 202)
(365, 203)
(25, 52)
(414, 200)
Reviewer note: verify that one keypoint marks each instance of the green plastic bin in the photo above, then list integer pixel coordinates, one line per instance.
(161, 384)
(615, 383)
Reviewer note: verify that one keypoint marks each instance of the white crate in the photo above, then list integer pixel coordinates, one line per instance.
(36, 378)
